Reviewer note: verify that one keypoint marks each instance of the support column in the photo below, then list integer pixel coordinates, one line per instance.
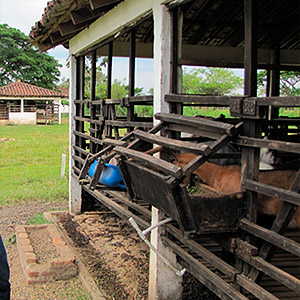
(164, 284)
(59, 111)
(75, 191)
(22, 105)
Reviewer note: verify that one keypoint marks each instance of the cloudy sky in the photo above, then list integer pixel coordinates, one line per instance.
(22, 14)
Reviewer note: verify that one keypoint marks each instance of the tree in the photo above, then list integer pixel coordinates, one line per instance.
(19, 59)
(289, 82)
(210, 81)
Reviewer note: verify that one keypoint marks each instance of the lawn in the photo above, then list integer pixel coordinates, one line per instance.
(30, 163)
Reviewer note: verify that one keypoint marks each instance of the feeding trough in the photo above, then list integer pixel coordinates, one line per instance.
(110, 176)
(198, 213)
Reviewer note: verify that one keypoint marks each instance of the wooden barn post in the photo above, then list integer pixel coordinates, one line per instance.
(163, 282)
(74, 186)
(250, 156)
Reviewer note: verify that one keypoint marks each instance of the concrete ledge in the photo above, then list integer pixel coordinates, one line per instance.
(63, 266)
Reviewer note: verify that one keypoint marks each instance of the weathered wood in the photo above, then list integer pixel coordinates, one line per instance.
(87, 137)
(78, 159)
(217, 285)
(214, 260)
(89, 102)
(201, 123)
(272, 271)
(156, 163)
(283, 218)
(253, 288)
(199, 160)
(270, 236)
(122, 212)
(83, 151)
(270, 144)
(125, 124)
(113, 142)
(282, 101)
(172, 144)
(82, 119)
(221, 101)
(192, 130)
(119, 197)
(271, 191)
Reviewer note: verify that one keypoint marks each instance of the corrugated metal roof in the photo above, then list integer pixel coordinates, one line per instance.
(22, 89)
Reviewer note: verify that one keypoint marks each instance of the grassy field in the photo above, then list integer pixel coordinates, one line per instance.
(30, 163)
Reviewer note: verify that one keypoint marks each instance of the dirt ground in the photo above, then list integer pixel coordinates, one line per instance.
(110, 249)
(52, 290)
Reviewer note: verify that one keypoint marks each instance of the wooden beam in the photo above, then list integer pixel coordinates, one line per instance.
(109, 70)
(83, 15)
(250, 57)
(69, 28)
(94, 4)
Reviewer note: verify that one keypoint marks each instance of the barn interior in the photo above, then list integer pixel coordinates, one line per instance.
(219, 238)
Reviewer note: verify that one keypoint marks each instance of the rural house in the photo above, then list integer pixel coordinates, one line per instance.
(217, 238)
(23, 103)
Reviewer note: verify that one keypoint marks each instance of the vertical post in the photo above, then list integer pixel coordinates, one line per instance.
(109, 69)
(107, 108)
(59, 111)
(130, 108)
(275, 79)
(92, 97)
(75, 191)
(132, 63)
(250, 156)
(164, 284)
(176, 75)
(22, 105)
(275, 73)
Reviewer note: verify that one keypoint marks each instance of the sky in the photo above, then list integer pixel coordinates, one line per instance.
(23, 17)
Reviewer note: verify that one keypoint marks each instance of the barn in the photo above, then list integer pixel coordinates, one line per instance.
(259, 259)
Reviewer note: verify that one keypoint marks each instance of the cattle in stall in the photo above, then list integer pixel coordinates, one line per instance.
(227, 180)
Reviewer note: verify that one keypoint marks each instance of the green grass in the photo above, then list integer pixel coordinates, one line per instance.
(38, 220)
(30, 165)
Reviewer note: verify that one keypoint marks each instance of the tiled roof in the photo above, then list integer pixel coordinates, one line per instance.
(72, 16)
(22, 89)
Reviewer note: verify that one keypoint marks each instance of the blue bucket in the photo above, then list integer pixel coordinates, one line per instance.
(110, 176)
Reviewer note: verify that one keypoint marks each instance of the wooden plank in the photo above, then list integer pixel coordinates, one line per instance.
(156, 163)
(119, 210)
(83, 151)
(192, 130)
(199, 160)
(276, 273)
(270, 144)
(125, 124)
(89, 102)
(138, 99)
(82, 119)
(87, 137)
(199, 123)
(119, 197)
(222, 101)
(271, 237)
(172, 143)
(113, 142)
(253, 288)
(283, 218)
(217, 285)
(271, 191)
(276, 101)
(214, 260)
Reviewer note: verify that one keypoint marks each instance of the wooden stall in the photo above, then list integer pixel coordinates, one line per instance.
(231, 243)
